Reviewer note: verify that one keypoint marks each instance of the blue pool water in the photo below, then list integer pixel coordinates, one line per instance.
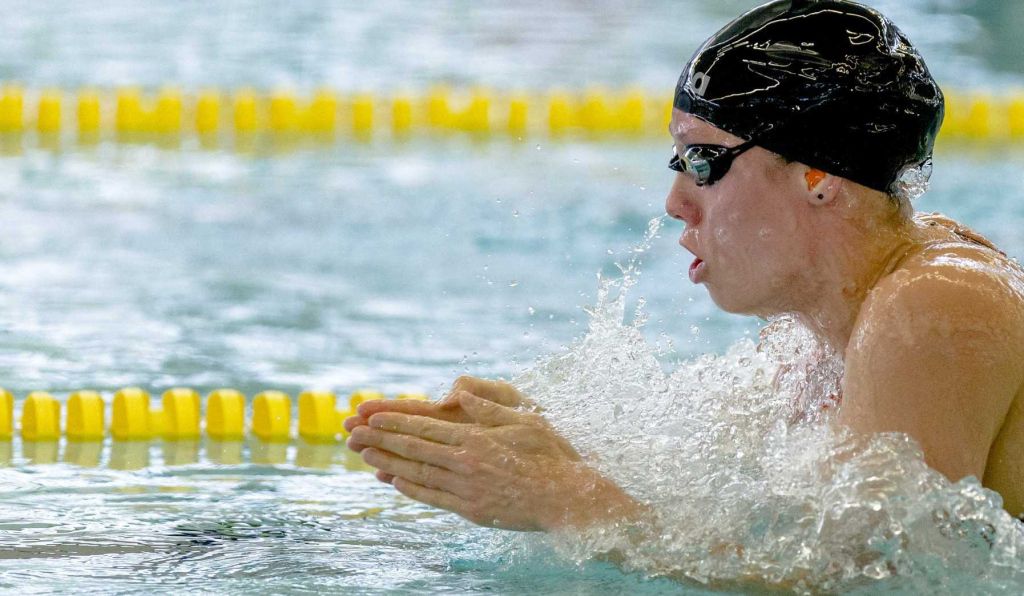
(390, 265)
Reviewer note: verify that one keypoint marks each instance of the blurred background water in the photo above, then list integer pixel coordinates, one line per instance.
(395, 265)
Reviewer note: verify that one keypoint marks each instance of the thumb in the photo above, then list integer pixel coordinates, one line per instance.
(484, 411)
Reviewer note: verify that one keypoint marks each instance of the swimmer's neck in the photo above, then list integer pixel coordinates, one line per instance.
(850, 263)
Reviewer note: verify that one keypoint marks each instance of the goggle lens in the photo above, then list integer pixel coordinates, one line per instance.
(706, 163)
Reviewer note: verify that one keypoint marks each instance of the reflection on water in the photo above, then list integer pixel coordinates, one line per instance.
(316, 455)
(40, 452)
(129, 455)
(180, 453)
(83, 453)
(225, 453)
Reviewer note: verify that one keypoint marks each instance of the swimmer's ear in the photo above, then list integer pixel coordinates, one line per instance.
(821, 187)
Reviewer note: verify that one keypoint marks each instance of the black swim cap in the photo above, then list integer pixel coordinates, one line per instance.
(829, 83)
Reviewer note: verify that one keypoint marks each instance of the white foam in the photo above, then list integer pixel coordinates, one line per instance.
(736, 455)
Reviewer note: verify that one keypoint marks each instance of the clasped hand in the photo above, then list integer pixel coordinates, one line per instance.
(475, 454)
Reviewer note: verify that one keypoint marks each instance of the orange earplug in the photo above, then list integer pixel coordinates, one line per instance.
(814, 177)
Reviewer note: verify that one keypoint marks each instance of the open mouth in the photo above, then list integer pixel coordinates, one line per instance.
(696, 270)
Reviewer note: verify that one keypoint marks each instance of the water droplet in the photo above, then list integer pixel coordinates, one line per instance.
(538, 147)
(513, 283)
(515, 213)
(531, 310)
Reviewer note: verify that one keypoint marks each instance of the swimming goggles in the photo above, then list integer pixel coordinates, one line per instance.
(706, 163)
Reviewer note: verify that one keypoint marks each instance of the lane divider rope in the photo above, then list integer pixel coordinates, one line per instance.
(129, 114)
(132, 417)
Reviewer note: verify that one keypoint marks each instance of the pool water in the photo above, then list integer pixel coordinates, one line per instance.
(392, 265)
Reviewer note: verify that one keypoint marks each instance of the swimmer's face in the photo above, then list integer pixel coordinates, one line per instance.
(745, 229)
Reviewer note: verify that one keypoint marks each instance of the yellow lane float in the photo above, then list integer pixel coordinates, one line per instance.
(40, 417)
(141, 115)
(180, 417)
(6, 415)
(181, 413)
(85, 416)
(131, 418)
(225, 414)
(318, 420)
(272, 416)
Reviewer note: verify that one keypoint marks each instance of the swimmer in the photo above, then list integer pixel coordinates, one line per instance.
(800, 132)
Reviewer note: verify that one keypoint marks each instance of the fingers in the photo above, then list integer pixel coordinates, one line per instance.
(350, 424)
(353, 421)
(418, 472)
(409, 447)
(430, 496)
(439, 431)
(499, 392)
(403, 406)
(384, 477)
(487, 412)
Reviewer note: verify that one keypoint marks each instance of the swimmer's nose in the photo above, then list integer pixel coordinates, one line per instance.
(680, 206)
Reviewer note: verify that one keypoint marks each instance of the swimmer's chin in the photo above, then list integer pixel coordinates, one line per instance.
(734, 307)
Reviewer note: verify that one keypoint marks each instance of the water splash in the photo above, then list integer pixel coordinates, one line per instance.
(747, 476)
(913, 181)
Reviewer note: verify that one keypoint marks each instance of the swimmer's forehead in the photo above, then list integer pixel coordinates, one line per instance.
(687, 129)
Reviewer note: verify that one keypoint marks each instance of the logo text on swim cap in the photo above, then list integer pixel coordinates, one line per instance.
(700, 82)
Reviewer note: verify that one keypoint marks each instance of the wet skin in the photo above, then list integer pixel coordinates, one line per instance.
(930, 326)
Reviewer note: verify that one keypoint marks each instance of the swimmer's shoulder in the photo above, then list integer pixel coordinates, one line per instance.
(965, 295)
(952, 260)
(937, 352)
(966, 259)
(960, 281)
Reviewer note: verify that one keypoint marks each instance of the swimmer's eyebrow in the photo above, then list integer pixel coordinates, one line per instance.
(681, 138)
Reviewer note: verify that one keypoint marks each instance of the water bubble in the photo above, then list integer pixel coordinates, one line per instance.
(531, 310)
(515, 213)
(513, 283)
